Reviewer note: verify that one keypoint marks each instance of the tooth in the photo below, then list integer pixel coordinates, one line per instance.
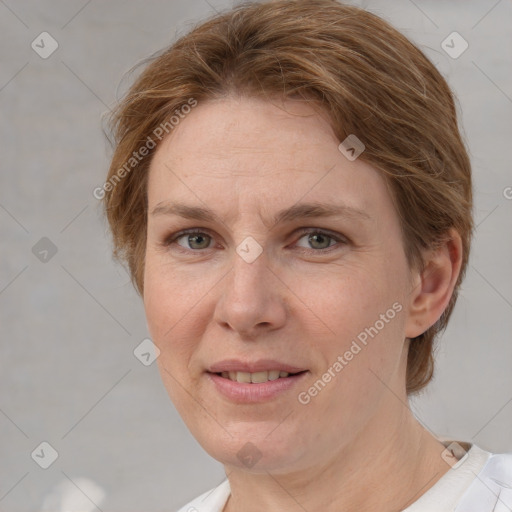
(232, 375)
(243, 377)
(283, 374)
(258, 377)
(225, 375)
(273, 374)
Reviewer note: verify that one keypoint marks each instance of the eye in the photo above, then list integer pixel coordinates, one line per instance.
(193, 240)
(320, 240)
(196, 240)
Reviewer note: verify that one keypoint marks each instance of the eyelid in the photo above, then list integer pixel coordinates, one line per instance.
(191, 231)
(338, 237)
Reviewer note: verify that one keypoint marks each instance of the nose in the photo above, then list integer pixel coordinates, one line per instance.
(252, 298)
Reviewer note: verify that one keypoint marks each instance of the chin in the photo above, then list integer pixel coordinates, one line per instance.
(252, 449)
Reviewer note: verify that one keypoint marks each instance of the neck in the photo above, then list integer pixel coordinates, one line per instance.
(399, 461)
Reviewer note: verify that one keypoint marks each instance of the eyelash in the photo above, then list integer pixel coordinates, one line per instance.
(172, 239)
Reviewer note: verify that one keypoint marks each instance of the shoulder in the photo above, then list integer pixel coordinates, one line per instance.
(500, 464)
(498, 470)
(210, 501)
(491, 490)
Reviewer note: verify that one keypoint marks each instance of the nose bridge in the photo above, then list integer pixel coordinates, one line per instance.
(251, 231)
(249, 298)
(248, 276)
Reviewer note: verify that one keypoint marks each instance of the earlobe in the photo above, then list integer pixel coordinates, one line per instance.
(433, 288)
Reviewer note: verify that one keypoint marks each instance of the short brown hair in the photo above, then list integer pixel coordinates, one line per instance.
(369, 79)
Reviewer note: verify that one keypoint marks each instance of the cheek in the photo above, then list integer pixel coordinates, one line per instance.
(361, 317)
(169, 320)
(346, 299)
(360, 360)
(169, 308)
(169, 293)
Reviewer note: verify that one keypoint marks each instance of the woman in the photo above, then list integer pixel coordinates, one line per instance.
(292, 196)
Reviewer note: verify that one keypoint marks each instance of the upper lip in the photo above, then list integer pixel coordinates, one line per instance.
(261, 365)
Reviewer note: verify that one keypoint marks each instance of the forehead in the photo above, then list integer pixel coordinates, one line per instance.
(262, 154)
(231, 129)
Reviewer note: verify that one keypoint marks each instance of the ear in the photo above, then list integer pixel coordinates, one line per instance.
(433, 288)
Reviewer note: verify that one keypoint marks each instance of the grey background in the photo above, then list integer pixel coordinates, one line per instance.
(69, 326)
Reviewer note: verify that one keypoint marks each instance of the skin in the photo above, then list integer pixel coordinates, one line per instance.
(247, 159)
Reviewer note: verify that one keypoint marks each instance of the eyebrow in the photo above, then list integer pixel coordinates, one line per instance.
(297, 211)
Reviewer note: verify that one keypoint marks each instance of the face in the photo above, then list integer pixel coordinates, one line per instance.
(263, 284)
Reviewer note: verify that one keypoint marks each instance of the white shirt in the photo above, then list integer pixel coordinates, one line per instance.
(479, 482)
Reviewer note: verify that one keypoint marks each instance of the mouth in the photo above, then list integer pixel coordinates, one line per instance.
(243, 387)
(254, 381)
(257, 377)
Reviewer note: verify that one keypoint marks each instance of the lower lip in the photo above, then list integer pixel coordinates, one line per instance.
(244, 392)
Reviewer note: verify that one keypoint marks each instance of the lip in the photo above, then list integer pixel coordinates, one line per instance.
(245, 393)
(237, 365)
